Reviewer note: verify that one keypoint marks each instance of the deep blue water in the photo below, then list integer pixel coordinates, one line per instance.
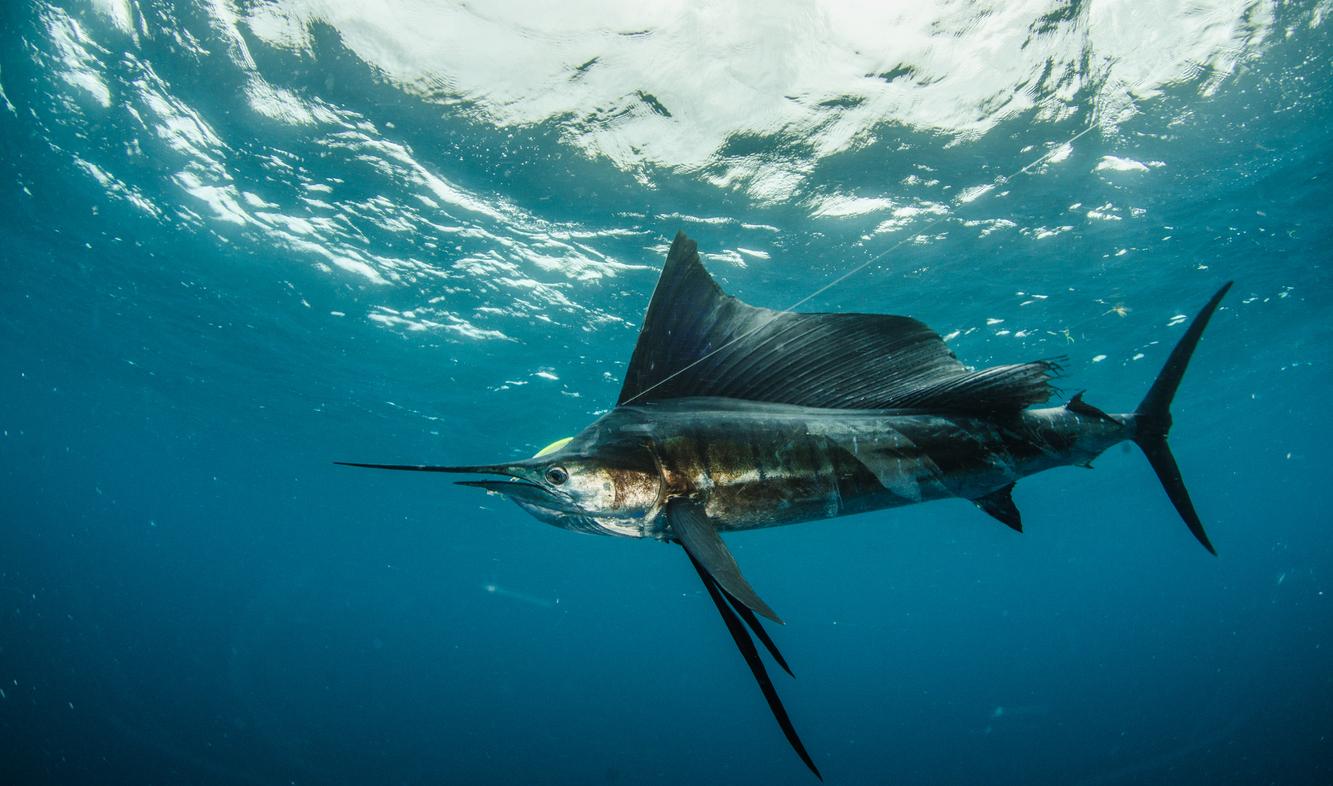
(236, 249)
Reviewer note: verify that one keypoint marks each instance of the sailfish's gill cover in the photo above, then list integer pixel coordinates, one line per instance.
(698, 341)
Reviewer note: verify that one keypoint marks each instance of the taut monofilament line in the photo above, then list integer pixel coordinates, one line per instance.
(854, 270)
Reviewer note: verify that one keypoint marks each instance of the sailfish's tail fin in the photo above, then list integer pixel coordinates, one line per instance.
(1153, 418)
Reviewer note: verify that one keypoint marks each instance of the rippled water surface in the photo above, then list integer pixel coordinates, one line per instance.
(245, 239)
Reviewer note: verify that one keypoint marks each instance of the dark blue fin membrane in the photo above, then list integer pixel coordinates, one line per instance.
(1155, 410)
(700, 538)
(1153, 419)
(1000, 504)
(1164, 464)
(698, 341)
(751, 655)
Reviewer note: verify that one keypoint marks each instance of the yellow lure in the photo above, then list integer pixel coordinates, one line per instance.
(553, 447)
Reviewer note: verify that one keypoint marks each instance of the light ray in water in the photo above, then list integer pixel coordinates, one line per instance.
(522, 597)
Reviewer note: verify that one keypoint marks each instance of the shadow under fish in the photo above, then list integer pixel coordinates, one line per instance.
(733, 417)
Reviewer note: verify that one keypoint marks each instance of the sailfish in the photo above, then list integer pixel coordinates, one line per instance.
(733, 417)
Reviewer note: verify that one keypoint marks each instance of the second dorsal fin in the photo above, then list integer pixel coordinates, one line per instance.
(1078, 405)
(698, 341)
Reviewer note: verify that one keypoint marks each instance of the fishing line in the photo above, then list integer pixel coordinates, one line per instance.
(1023, 170)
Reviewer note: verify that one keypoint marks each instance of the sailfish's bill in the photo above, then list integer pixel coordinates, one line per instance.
(489, 469)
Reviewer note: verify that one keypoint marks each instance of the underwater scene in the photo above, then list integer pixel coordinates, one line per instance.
(890, 275)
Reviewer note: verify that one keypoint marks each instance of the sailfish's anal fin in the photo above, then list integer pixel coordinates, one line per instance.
(701, 539)
(1000, 504)
(751, 655)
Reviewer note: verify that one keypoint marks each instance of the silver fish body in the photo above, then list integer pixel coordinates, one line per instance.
(752, 465)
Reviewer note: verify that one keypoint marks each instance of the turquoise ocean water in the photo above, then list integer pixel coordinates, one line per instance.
(242, 240)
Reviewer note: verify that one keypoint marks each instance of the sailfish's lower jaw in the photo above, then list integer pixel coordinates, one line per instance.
(520, 491)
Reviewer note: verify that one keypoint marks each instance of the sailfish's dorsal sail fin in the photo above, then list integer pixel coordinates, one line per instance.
(698, 341)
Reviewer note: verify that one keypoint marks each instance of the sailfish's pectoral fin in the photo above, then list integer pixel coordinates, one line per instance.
(751, 654)
(701, 539)
(1000, 504)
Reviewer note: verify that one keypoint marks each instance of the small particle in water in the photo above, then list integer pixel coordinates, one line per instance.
(1098, 358)
(1139, 356)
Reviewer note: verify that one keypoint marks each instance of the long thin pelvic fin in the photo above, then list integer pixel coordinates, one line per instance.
(751, 655)
(758, 628)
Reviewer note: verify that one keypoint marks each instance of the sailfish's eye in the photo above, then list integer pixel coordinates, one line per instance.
(556, 475)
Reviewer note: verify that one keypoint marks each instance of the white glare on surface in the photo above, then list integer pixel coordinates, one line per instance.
(671, 83)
